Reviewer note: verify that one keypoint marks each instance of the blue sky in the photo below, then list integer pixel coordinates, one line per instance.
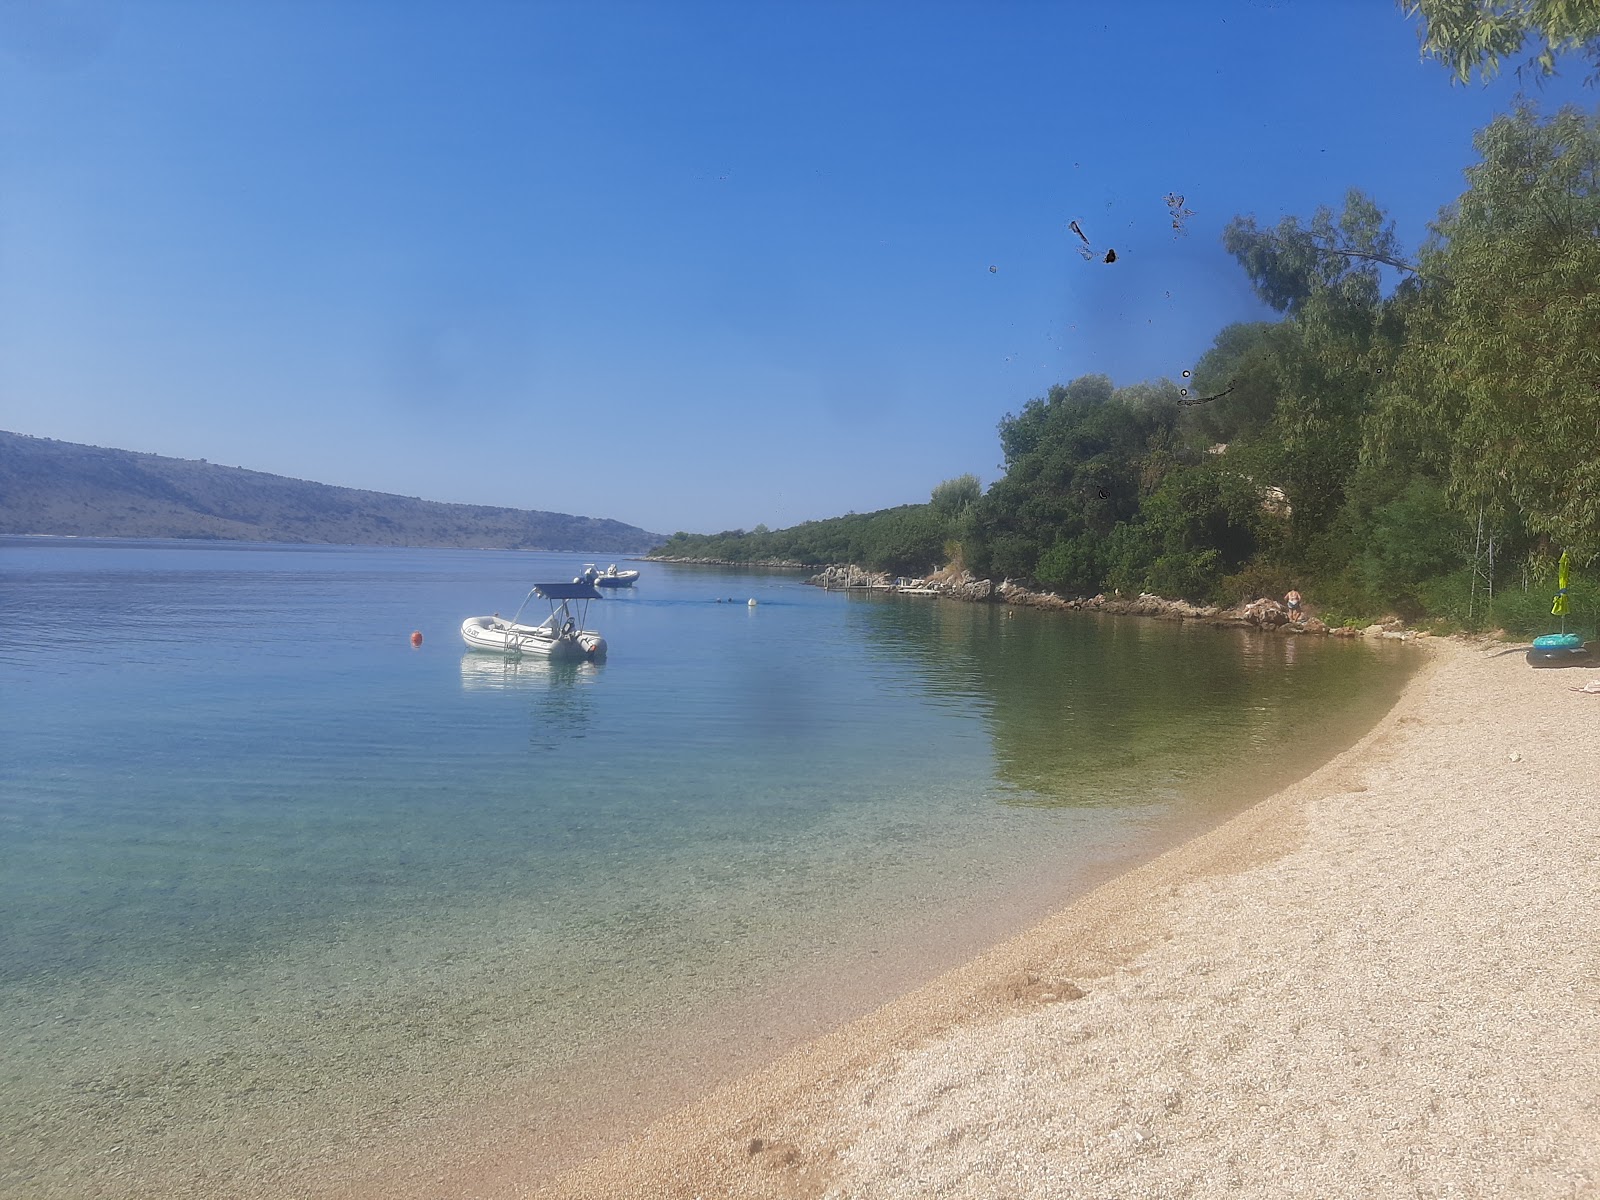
(687, 265)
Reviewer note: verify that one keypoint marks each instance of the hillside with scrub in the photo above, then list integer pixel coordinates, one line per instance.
(67, 489)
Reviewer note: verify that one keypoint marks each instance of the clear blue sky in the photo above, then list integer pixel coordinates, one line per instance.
(688, 265)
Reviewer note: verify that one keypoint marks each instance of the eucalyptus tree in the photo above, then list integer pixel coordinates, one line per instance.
(1477, 35)
(1500, 381)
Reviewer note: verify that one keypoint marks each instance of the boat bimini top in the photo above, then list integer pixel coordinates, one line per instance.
(576, 590)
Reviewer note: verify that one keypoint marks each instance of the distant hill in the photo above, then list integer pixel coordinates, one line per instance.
(55, 487)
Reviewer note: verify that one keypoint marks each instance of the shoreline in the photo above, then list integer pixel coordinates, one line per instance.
(1263, 613)
(1376, 978)
(520, 1139)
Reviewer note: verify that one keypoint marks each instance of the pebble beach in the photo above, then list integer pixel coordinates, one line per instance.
(1383, 980)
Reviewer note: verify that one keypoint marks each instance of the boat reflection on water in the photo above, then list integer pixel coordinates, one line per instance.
(506, 673)
(555, 690)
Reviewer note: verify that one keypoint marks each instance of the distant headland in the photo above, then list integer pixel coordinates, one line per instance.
(67, 489)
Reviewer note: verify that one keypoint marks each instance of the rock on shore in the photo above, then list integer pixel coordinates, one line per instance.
(1261, 613)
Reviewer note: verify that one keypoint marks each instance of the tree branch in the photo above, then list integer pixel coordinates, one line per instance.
(1187, 401)
(1385, 259)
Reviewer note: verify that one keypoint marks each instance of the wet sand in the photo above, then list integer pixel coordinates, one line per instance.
(1383, 980)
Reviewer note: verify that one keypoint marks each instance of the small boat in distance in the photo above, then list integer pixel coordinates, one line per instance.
(560, 635)
(610, 577)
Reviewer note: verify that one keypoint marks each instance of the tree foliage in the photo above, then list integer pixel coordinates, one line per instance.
(954, 496)
(1476, 36)
(907, 540)
(1403, 409)
(1236, 382)
(1502, 378)
(1102, 488)
(1328, 278)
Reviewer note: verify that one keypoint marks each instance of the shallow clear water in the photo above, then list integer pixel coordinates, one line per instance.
(274, 881)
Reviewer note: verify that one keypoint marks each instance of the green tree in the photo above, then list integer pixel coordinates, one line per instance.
(1328, 277)
(1412, 538)
(1201, 522)
(1502, 388)
(1234, 391)
(954, 496)
(1073, 564)
(1477, 35)
(1079, 460)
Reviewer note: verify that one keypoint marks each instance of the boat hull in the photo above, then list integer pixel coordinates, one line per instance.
(499, 636)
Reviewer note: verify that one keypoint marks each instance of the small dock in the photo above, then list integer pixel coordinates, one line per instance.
(853, 579)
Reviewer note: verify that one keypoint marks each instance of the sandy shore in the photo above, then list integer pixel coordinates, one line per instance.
(1383, 981)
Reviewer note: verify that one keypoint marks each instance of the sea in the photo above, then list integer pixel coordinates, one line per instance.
(288, 901)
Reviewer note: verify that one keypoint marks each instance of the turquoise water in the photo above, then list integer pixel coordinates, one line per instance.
(278, 885)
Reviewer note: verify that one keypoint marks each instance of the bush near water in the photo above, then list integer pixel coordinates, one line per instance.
(1419, 434)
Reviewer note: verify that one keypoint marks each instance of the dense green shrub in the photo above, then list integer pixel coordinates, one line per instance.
(1191, 574)
(1073, 565)
(1527, 613)
(1413, 538)
(1253, 580)
(1450, 597)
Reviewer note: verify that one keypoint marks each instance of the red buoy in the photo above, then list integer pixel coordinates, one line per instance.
(416, 637)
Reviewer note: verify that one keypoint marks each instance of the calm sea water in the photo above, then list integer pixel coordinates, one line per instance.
(276, 885)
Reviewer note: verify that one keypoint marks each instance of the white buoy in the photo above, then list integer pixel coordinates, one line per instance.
(752, 601)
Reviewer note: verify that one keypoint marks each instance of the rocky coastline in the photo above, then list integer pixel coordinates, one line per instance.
(1262, 613)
